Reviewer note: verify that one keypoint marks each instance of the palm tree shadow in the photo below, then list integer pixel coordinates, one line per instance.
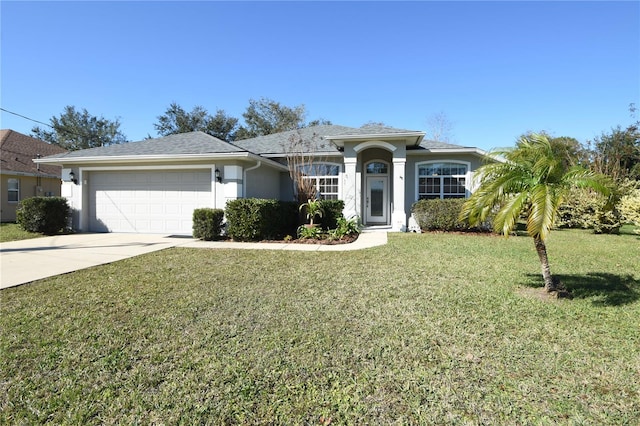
(602, 288)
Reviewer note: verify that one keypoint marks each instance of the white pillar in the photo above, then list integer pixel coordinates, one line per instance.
(399, 216)
(350, 188)
(232, 182)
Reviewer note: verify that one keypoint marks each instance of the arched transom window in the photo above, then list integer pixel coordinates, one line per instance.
(325, 178)
(442, 179)
(377, 168)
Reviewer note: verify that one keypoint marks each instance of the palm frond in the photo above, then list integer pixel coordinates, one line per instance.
(544, 205)
(507, 217)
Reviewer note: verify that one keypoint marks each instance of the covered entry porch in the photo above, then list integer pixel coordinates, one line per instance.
(373, 182)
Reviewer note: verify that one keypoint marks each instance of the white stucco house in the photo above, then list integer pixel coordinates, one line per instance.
(154, 185)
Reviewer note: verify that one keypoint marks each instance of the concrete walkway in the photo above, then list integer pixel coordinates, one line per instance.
(29, 260)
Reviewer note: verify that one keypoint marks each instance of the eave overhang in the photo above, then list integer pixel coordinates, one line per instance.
(465, 150)
(409, 138)
(164, 158)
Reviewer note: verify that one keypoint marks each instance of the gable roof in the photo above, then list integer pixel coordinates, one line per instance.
(320, 139)
(17, 152)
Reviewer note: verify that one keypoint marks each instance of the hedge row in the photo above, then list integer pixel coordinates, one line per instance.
(255, 219)
(443, 215)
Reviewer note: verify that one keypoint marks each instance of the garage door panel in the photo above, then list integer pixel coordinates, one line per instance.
(147, 201)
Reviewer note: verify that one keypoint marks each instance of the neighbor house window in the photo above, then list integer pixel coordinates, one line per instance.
(13, 190)
(442, 179)
(325, 178)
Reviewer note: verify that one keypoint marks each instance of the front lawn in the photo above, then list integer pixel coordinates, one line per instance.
(429, 329)
(13, 232)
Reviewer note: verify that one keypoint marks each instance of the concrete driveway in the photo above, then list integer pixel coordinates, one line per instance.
(29, 260)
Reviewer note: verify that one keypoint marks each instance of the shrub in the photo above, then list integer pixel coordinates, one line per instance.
(254, 219)
(45, 215)
(309, 232)
(629, 207)
(344, 228)
(332, 210)
(207, 223)
(439, 215)
(585, 209)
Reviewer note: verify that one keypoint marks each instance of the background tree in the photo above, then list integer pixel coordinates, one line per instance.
(617, 153)
(439, 127)
(266, 116)
(570, 150)
(529, 180)
(75, 130)
(177, 120)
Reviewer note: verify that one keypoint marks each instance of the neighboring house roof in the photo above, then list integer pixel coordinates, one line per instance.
(17, 152)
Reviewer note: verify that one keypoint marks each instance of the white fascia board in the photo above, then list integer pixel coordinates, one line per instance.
(476, 151)
(27, 174)
(339, 139)
(158, 158)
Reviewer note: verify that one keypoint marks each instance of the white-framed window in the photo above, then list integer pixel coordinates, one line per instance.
(377, 168)
(13, 190)
(442, 179)
(325, 177)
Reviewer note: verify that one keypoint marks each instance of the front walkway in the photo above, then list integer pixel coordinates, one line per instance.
(367, 239)
(29, 260)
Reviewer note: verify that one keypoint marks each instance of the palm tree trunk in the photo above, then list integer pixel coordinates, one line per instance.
(541, 248)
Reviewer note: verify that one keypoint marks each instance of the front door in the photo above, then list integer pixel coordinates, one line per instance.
(376, 201)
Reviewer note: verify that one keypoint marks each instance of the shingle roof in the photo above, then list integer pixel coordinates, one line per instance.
(430, 144)
(279, 143)
(18, 150)
(178, 144)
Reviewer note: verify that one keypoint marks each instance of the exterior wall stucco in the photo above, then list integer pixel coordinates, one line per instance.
(28, 188)
(262, 183)
(410, 175)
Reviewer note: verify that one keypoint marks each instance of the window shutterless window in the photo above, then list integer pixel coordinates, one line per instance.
(13, 190)
(325, 179)
(442, 180)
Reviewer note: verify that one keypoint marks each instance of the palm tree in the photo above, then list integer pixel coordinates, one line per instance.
(529, 180)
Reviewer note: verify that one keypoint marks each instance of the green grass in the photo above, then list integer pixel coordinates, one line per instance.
(13, 232)
(429, 329)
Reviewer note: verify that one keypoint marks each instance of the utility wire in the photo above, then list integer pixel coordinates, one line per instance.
(48, 125)
(25, 117)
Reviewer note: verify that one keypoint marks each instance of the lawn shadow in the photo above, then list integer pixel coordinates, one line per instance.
(604, 289)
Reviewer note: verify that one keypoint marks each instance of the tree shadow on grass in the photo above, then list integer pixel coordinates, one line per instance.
(602, 288)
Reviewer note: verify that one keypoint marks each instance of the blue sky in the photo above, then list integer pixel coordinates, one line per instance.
(495, 69)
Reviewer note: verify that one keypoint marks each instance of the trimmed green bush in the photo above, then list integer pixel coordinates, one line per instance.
(439, 214)
(207, 223)
(332, 211)
(443, 215)
(45, 215)
(254, 219)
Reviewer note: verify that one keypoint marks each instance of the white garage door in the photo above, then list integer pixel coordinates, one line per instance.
(147, 201)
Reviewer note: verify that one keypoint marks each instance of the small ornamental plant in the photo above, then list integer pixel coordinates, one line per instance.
(313, 208)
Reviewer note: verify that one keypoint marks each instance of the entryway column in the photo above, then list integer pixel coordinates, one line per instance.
(399, 216)
(350, 188)
(232, 182)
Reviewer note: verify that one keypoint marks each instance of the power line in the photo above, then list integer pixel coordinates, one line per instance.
(25, 117)
(60, 128)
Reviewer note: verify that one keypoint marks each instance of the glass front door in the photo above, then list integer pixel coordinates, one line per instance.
(376, 200)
